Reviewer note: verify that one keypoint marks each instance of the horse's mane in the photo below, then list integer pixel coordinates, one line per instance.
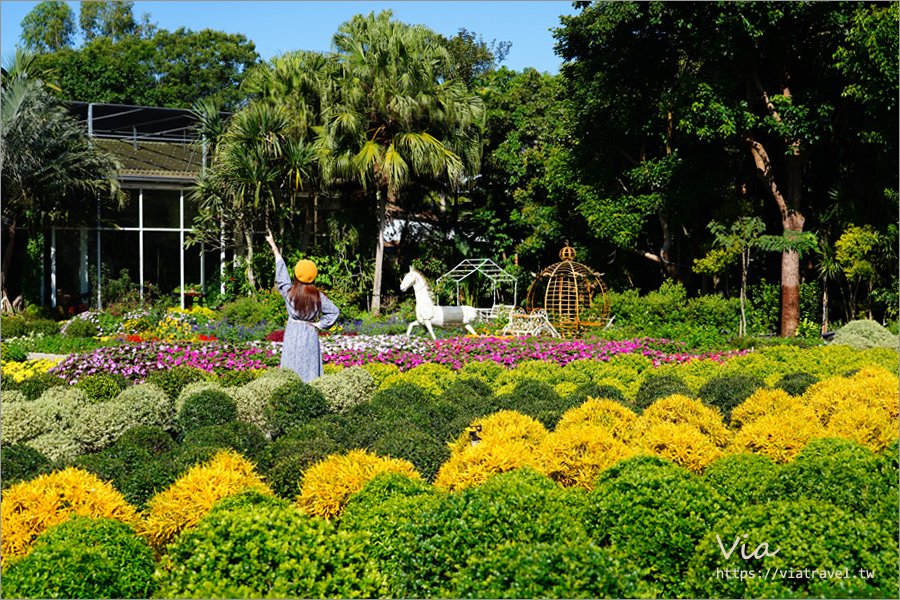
(427, 287)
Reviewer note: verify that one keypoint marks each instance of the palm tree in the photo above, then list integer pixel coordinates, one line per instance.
(394, 116)
(256, 170)
(297, 83)
(49, 170)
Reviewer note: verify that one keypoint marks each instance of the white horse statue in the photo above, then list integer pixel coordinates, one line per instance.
(428, 314)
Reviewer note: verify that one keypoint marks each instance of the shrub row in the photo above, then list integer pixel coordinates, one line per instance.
(648, 528)
(406, 422)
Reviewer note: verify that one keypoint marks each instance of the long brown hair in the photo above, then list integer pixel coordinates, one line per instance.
(306, 300)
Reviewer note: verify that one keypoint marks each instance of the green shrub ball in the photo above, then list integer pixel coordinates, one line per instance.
(268, 549)
(242, 437)
(34, 386)
(284, 461)
(154, 440)
(842, 473)
(796, 384)
(472, 395)
(235, 378)
(173, 380)
(548, 570)
(726, 393)
(102, 387)
(539, 401)
(205, 408)
(655, 387)
(292, 405)
(81, 328)
(592, 390)
(84, 558)
(806, 534)
(409, 442)
(654, 513)
(138, 464)
(520, 506)
(742, 478)
(19, 462)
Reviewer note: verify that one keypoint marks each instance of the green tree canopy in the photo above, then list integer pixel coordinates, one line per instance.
(189, 65)
(49, 27)
(471, 56)
(113, 20)
(756, 82)
(126, 62)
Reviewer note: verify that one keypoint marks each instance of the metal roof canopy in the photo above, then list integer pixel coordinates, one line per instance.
(121, 121)
(486, 267)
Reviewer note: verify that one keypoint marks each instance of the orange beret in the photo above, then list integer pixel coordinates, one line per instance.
(305, 271)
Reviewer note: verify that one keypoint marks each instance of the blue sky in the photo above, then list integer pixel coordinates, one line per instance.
(276, 27)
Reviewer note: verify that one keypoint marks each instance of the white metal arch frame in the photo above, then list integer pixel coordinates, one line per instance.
(483, 266)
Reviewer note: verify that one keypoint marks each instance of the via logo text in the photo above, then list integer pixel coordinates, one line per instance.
(761, 550)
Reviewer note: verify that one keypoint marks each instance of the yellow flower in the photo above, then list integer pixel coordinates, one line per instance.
(23, 370)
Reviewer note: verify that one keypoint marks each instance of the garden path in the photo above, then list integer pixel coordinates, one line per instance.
(43, 356)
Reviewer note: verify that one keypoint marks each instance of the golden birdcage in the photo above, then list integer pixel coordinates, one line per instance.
(573, 295)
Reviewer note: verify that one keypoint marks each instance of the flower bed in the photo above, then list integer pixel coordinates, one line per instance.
(137, 360)
(408, 352)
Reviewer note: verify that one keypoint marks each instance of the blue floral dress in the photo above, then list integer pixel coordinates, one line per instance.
(301, 351)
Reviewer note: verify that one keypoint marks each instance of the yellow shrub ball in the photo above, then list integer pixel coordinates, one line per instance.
(185, 502)
(328, 485)
(780, 435)
(508, 440)
(31, 507)
(610, 414)
(575, 455)
(682, 443)
(872, 386)
(762, 402)
(870, 426)
(679, 409)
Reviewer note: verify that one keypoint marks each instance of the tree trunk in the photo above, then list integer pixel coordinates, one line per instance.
(791, 220)
(308, 223)
(824, 305)
(251, 276)
(46, 259)
(665, 253)
(7, 256)
(379, 252)
(790, 293)
(745, 259)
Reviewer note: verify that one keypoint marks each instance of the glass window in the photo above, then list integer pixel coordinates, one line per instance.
(119, 254)
(127, 216)
(162, 208)
(191, 210)
(68, 266)
(162, 261)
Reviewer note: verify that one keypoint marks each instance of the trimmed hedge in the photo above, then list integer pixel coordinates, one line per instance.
(726, 393)
(19, 462)
(293, 405)
(205, 408)
(84, 557)
(654, 387)
(654, 513)
(807, 534)
(462, 528)
(273, 550)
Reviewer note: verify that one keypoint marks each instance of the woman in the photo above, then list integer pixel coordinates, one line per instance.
(309, 311)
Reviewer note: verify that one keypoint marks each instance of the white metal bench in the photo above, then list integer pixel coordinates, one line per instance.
(534, 323)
